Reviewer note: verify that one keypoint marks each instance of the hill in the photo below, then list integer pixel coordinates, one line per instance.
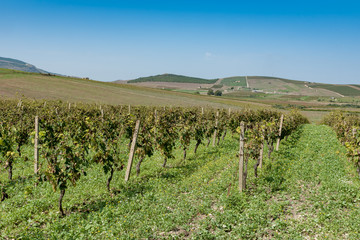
(257, 84)
(9, 63)
(173, 78)
(15, 84)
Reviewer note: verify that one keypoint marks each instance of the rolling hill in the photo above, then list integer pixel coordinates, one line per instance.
(18, 84)
(257, 84)
(9, 63)
(173, 78)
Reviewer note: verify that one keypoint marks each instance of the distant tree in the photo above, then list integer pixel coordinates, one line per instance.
(210, 92)
(218, 93)
(197, 93)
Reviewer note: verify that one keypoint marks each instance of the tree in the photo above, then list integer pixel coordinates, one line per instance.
(218, 93)
(210, 92)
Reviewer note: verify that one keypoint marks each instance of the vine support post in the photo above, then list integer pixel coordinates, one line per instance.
(279, 136)
(132, 151)
(129, 109)
(202, 110)
(241, 158)
(216, 126)
(36, 148)
(261, 156)
(69, 106)
(155, 120)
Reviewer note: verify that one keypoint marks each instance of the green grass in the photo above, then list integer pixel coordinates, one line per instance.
(173, 78)
(308, 190)
(342, 89)
(217, 86)
(234, 81)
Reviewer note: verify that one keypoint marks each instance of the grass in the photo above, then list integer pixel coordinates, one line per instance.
(17, 84)
(341, 89)
(234, 81)
(307, 190)
(173, 78)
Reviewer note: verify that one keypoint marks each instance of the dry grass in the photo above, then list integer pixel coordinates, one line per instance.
(15, 84)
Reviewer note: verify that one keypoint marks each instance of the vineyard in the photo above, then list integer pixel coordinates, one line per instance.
(347, 128)
(89, 171)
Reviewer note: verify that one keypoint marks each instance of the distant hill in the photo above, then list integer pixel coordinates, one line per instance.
(14, 64)
(257, 84)
(173, 78)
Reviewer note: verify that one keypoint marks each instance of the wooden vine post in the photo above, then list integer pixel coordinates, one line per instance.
(241, 158)
(261, 156)
(129, 109)
(132, 151)
(279, 136)
(216, 126)
(155, 121)
(36, 148)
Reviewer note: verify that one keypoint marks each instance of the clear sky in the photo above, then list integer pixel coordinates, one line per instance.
(108, 40)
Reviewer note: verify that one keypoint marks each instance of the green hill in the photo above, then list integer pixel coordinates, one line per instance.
(173, 78)
(9, 63)
(341, 89)
(234, 81)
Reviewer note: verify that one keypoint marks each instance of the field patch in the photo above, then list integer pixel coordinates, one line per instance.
(234, 81)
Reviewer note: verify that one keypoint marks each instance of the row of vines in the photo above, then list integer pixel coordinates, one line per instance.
(347, 128)
(74, 137)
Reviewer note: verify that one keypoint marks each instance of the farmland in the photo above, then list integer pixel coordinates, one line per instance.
(195, 198)
(293, 195)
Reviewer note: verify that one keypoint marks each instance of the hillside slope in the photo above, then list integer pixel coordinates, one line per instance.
(9, 63)
(15, 84)
(173, 78)
(269, 85)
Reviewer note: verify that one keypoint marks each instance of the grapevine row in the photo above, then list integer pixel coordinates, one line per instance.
(71, 138)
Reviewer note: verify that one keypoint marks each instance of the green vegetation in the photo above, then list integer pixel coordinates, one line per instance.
(173, 78)
(307, 189)
(234, 81)
(84, 148)
(341, 89)
(218, 93)
(10, 63)
(217, 86)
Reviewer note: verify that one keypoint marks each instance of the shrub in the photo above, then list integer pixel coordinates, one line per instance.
(210, 92)
(218, 93)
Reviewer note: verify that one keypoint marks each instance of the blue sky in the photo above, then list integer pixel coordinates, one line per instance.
(109, 40)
